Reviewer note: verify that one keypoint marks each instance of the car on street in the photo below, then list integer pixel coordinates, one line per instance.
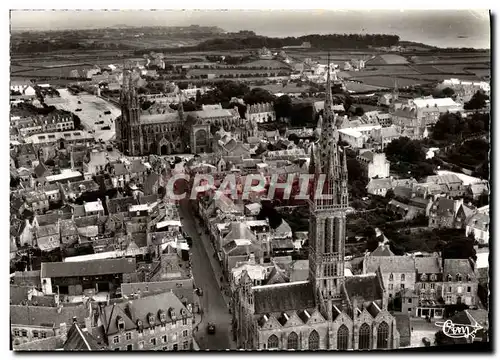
(199, 292)
(211, 328)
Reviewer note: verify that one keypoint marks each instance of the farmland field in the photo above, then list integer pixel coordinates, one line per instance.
(274, 64)
(384, 70)
(388, 82)
(426, 69)
(480, 72)
(197, 72)
(357, 87)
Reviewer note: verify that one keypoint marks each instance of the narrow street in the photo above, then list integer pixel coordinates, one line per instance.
(214, 306)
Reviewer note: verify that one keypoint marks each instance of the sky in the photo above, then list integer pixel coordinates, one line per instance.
(468, 28)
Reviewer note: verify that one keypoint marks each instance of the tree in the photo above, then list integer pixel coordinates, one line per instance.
(359, 111)
(283, 107)
(460, 248)
(389, 194)
(478, 101)
(448, 92)
(448, 126)
(258, 95)
(269, 212)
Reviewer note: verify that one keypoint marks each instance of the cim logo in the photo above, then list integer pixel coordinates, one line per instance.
(457, 331)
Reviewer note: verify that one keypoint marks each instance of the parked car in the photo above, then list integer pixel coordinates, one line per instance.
(211, 328)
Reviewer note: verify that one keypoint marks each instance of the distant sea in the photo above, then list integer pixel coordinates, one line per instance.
(442, 28)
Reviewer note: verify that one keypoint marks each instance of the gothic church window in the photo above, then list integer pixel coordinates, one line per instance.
(273, 342)
(293, 341)
(364, 337)
(383, 336)
(314, 340)
(342, 338)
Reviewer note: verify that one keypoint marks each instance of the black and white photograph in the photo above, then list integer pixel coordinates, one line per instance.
(259, 180)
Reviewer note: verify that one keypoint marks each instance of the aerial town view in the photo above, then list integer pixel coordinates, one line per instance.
(184, 182)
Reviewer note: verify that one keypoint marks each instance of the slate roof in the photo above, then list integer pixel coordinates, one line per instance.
(139, 309)
(40, 170)
(428, 265)
(382, 250)
(376, 184)
(182, 288)
(48, 344)
(283, 297)
(47, 316)
(444, 207)
(80, 340)
(368, 155)
(365, 287)
(391, 264)
(458, 266)
(444, 179)
(88, 268)
(120, 204)
(239, 231)
(402, 192)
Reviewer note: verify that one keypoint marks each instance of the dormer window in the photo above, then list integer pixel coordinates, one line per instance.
(423, 277)
(433, 277)
(449, 278)
(468, 278)
(163, 316)
(151, 319)
(459, 277)
(171, 311)
(139, 325)
(120, 323)
(391, 277)
(183, 312)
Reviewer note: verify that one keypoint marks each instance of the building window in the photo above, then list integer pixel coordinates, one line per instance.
(116, 340)
(449, 288)
(314, 340)
(272, 342)
(184, 321)
(185, 345)
(402, 286)
(449, 278)
(141, 344)
(184, 333)
(459, 277)
(153, 341)
(24, 333)
(390, 286)
(383, 336)
(16, 333)
(129, 336)
(468, 289)
(433, 286)
(343, 338)
(130, 347)
(174, 324)
(448, 298)
(175, 347)
(35, 334)
(364, 337)
(402, 277)
(293, 341)
(409, 300)
(164, 338)
(43, 335)
(391, 277)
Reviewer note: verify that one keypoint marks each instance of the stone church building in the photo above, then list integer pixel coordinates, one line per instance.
(329, 311)
(163, 131)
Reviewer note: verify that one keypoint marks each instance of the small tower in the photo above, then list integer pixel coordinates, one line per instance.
(395, 95)
(180, 109)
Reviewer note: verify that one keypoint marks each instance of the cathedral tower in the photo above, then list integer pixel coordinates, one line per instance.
(130, 126)
(328, 208)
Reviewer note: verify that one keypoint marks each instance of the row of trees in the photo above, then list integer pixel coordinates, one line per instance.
(452, 127)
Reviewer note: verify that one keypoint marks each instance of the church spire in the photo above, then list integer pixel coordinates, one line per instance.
(329, 99)
(181, 106)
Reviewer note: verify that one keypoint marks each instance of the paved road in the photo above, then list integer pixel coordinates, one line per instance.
(93, 109)
(214, 306)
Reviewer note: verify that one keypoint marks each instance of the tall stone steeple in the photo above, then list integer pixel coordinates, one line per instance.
(328, 207)
(180, 109)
